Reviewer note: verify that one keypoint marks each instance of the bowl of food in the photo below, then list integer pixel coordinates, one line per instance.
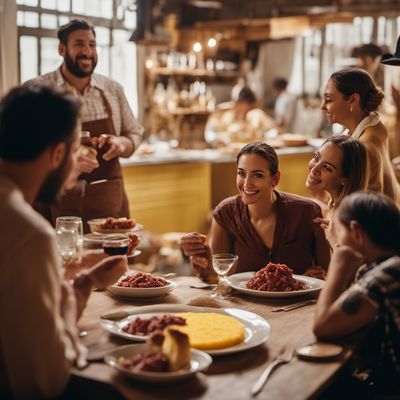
(165, 357)
(293, 139)
(274, 281)
(141, 285)
(113, 225)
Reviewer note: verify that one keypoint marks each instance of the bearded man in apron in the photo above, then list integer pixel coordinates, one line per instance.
(107, 116)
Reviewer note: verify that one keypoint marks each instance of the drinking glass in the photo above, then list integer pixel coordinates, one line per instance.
(116, 244)
(222, 264)
(69, 235)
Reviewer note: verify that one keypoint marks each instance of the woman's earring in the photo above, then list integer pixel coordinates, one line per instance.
(351, 109)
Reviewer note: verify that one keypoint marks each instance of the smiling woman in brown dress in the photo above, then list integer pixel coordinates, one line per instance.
(261, 224)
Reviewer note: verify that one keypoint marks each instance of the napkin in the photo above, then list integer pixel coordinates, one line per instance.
(205, 301)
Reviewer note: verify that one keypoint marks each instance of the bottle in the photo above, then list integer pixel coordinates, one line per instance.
(87, 140)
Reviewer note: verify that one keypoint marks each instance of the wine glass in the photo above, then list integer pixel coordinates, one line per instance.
(222, 264)
(69, 235)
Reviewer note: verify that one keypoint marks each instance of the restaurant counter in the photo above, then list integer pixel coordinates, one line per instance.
(175, 190)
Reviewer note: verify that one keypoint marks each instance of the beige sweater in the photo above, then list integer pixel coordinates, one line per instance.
(373, 134)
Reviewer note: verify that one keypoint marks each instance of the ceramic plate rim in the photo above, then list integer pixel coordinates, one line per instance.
(142, 292)
(257, 328)
(202, 358)
(245, 276)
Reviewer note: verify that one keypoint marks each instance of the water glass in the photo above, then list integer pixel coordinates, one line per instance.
(69, 235)
(222, 264)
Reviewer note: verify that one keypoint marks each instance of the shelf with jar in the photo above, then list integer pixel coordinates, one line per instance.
(179, 89)
(196, 72)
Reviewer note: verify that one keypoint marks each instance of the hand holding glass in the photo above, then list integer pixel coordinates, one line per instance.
(222, 264)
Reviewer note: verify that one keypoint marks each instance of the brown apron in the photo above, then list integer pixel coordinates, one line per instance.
(97, 200)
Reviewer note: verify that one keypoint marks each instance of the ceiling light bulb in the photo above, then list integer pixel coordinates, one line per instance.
(211, 42)
(197, 47)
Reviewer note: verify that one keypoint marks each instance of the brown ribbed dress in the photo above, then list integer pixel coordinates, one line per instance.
(294, 237)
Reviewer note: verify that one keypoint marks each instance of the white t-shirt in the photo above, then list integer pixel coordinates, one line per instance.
(35, 349)
(285, 109)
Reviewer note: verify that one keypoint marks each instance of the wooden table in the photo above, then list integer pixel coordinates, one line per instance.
(229, 377)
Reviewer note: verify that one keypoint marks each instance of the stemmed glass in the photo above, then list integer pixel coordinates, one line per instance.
(69, 234)
(222, 264)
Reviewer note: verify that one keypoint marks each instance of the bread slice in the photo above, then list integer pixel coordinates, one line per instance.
(155, 342)
(177, 348)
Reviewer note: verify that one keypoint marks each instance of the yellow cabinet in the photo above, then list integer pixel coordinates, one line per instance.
(169, 197)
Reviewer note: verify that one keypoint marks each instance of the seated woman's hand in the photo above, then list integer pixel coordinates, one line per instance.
(202, 267)
(194, 244)
(346, 260)
(322, 222)
(316, 272)
(108, 271)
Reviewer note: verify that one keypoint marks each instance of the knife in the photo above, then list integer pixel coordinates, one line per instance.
(294, 306)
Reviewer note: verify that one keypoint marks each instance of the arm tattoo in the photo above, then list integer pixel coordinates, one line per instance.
(351, 303)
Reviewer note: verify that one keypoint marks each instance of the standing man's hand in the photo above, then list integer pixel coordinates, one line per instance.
(86, 162)
(87, 159)
(115, 146)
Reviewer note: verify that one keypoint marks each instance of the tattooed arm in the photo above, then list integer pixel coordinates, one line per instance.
(340, 312)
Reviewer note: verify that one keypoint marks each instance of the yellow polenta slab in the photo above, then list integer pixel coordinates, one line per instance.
(211, 330)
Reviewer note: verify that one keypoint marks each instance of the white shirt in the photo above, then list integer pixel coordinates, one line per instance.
(93, 107)
(285, 109)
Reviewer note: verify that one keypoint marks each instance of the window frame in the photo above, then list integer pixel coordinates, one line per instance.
(39, 32)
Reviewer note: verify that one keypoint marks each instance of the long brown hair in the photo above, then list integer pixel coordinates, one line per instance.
(354, 164)
(355, 80)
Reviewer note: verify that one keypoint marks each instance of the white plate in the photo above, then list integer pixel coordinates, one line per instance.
(238, 282)
(256, 328)
(141, 292)
(98, 238)
(199, 362)
(94, 225)
(134, 254)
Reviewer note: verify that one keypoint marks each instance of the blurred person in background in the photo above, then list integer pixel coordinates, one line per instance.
(352, 99)
(39, 138)
(285, 105)
(243, 123)
(106, 115)
(261, 224)
(368, 58)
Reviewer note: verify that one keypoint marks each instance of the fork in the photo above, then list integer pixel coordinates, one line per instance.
(282, 358)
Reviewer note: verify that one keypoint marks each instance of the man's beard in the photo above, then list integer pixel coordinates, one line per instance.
(74, 68)
(52, 188)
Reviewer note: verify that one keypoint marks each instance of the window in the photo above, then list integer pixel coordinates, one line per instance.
(38, 44)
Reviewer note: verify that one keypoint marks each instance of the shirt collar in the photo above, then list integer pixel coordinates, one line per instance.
(370, 120)
(93, 83)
